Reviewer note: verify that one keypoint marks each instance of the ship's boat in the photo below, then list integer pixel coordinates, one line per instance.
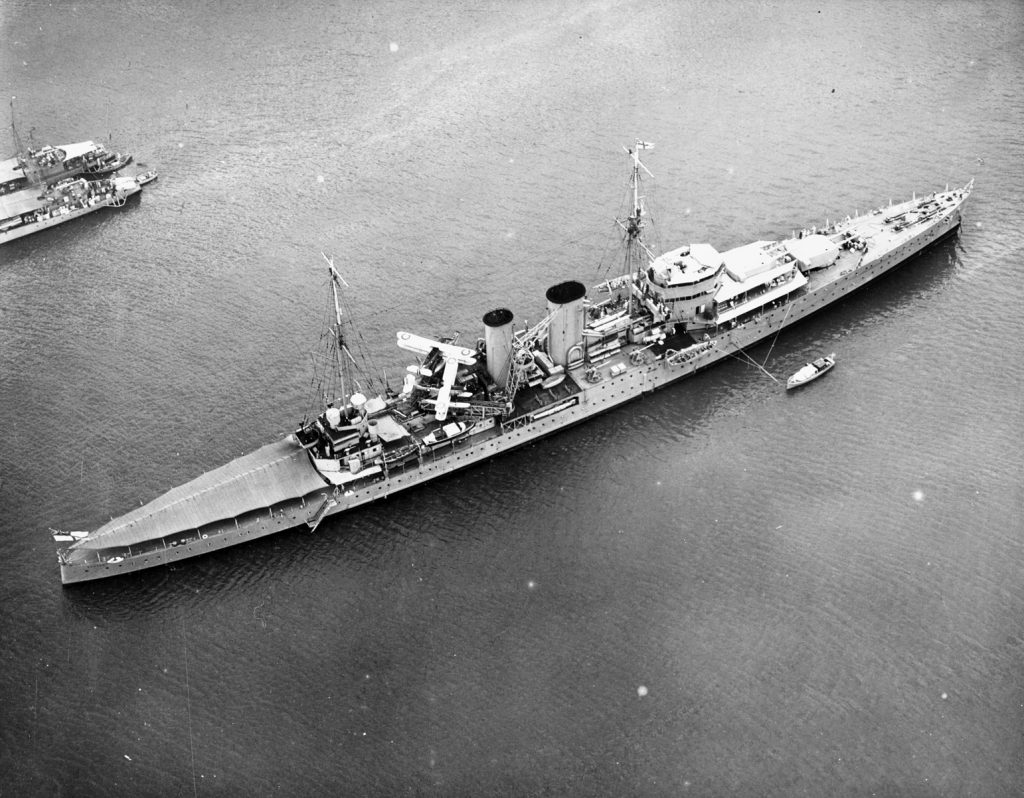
(399, 455)
(146, 177)
(101, 162)
(663, 319)
(811, 371)
(448, 434)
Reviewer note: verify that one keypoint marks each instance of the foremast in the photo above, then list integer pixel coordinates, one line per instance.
(19, 149)
(340, 349)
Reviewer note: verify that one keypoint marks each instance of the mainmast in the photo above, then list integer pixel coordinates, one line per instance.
(633, 225)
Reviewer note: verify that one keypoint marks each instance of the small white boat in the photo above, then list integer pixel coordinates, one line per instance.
(449, 433)
(811, 371)
(146, 177)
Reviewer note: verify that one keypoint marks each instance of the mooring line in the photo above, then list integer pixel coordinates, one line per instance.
(776, 337)
(752, 362)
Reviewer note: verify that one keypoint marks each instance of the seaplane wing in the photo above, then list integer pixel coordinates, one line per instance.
(444, 395)
(450, 404)
(423, 346)
(433, 390)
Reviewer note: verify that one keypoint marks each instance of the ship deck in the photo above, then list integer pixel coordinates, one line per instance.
(530, 400)
(273, 473)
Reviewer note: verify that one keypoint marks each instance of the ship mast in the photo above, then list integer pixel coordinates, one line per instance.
(339, 336)
(14, 131)
(633, 225)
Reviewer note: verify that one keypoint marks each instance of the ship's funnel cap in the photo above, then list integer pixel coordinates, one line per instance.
(564, 293)
(498, 317)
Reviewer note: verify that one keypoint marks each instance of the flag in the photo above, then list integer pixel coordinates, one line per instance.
(644, 145)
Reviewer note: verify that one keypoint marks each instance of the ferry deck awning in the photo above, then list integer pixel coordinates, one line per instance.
(19, 202)
(77, 149)
(274, 473)
(10, 169)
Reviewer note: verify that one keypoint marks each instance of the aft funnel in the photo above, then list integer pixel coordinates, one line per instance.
(498, 340)
(565, 306)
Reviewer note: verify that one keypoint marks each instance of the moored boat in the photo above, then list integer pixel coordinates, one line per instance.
(662, 320)
(26, 212)
(101, 162)
(811, 371)
(39, 167)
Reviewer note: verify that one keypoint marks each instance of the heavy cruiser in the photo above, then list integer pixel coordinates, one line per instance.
(664, 319)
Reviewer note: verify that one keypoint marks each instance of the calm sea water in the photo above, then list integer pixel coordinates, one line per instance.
(721, 589)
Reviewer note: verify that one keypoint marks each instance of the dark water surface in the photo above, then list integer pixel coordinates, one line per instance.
(721, 589)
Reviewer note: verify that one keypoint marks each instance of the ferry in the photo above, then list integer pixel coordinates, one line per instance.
(39, 168)
(47, 165)
(26, 212)
(663, 319)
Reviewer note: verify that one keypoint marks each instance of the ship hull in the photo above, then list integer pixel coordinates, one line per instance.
(23, 230)
(580, 402)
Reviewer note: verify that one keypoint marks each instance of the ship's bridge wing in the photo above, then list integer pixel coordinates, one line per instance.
(273, 473)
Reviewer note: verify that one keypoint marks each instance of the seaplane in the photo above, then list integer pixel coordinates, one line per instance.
(433, 353)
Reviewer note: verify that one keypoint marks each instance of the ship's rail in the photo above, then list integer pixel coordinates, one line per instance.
(678, 357)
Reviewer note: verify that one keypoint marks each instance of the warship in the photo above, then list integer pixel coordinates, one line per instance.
(664, 318)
